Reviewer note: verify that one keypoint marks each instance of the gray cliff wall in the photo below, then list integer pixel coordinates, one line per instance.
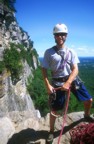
(14, 97)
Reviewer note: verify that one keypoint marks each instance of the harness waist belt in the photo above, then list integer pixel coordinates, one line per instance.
(61, 79)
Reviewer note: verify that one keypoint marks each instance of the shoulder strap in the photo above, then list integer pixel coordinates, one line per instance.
(64, 60)
(67, 55)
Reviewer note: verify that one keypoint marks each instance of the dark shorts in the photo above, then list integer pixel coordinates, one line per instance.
(81, 93)
(57, 100)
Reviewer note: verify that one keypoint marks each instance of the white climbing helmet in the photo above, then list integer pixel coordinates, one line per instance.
(60, 28)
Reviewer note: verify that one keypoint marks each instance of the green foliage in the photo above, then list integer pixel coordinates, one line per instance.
(2, 67)
(74, 104)
(9, 4)
(87, 75)
(27, 54)
(22, 51)
(38, 92)
(1, 1)
(31, 43)
(12, 60)
(34, 52)
(9, 19)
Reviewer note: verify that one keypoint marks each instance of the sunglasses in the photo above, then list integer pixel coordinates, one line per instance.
(60, 34)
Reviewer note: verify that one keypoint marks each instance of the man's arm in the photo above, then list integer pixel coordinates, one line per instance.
(47, 83)
(72, 76)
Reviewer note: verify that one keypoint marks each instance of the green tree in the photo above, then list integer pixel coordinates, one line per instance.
(38, 92)
(12, 61)
(9, 4)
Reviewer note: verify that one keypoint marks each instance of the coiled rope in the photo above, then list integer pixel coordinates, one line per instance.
(83, 134)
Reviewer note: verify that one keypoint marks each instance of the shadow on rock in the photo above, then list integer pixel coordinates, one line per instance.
(30, 136)
(68, 128)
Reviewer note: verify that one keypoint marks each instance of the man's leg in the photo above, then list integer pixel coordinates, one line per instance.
(87, 107)
(52, 121)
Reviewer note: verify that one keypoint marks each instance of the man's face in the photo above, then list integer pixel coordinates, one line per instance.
(60, 38)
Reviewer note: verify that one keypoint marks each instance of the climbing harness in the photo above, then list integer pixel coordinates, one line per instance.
(57, 101)
(83, 134)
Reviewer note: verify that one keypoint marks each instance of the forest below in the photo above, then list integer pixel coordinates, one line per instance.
(38, 91)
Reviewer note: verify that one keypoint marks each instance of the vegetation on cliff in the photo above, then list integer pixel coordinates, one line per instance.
(13, 59)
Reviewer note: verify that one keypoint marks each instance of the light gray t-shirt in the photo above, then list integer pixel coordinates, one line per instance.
(59, 61)
(55, 62)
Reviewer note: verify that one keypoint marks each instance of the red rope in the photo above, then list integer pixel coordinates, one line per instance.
(64, 119)
(83, 134)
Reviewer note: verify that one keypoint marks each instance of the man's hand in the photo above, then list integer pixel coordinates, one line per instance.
(66, 86)
(50, 89)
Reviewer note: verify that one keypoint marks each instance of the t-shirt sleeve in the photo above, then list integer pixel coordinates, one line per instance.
(45, 62)
(75, 59)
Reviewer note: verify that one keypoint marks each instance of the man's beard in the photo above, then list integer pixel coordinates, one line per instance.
(60, 44)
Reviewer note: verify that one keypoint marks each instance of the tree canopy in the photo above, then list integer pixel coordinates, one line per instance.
(9, 4)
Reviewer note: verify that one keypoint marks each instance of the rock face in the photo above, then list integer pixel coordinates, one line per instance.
(14, 97)
(17, 110)
(26, 128)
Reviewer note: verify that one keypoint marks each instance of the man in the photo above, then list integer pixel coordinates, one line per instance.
(63, 63)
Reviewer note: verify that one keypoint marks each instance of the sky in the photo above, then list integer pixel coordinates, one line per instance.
(38, 17)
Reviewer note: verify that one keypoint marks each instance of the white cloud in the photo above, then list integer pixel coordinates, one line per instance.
(83, 50)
